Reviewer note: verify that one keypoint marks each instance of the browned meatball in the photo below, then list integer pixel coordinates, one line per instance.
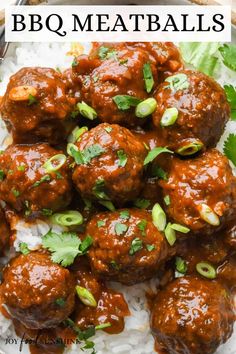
(4, 232)
(37, 292)
(36, 106)
(196, 185)
(112, 166)
(27, 185)
(127, 247)
(192, 316)
(121, 74)
(202, 112)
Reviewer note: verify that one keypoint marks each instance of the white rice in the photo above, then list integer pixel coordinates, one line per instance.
(136, 338)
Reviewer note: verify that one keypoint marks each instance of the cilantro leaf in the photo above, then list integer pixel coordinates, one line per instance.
(32, 100)
(124, 214)
(2, 175)
(159, 172)
(200, 55)
(65, 247)
(142, 203)
(101, 223)
(99, 189)
(24, 248)
(148, 78)
(231, 97)
(154, 153)
(92, 151)
(106, 53)
(136, 245)
(230, 148)
(150, 248)
(45, 178)
(120, 228)
(122, 158)
(228, 52)
(125, 102)
(142, 227)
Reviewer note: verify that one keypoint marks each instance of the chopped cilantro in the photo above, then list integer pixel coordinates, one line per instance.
(46, 212)
(231, 97)
(85, 156)
(154, 153)
(108, 129)
(24, 248)
(101, 223)
(125, 102)
(45, 178)
(2, 175)
(107, 204)
(230, 148)
(106, 53)
(142, 203)
(167, 200)
(181, 265)
(123, 61)
(74, 62)
(142, 227)
(21, 168)
(114, 265)
(99, 189)
(159, 172)
(32, 100)
(124, 214)
(150, 248)
(60, 302)
(15, 192)
(148, 77)
(228, 52)
(120, 228)
(65, 247)
(177, 82)
(122, 158)
(136, 245)
(58, 175)
(74, 113)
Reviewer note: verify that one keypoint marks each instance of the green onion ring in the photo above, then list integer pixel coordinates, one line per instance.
(169, 117)
(69, 146)
(170, 234)
(206, 270)
(68, 218)
(190, 149)
(55, 163)
(86, 296)
(208, 215)
(158, 217)
(86, 111)
(146, 107)
(76, 134)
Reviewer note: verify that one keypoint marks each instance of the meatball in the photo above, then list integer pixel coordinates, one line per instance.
(34, 290)
(36, 106)
(202, 192)
(192, 316)
(112, 164)
(202, 112)
(127, 247)
(27, 185)
(4, 232)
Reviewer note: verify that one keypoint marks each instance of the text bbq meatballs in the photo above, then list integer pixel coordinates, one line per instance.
(35, 178)
(34, 288)
(36, 106)
(192, 316)
(108, 164)
(202, 192)
(127, 247)
(191, 113)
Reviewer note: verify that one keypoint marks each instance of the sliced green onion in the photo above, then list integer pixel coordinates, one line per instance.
(158, 217)
(190, 149)
(145, 108)
(170, 234)
(86, 111)
(169, 117)
(55, 163)
(68, 218)
(76, 134)
(107, 204)
(103, 326)
(208, 215)
(180, 228)
(180, 265)
(86, 296)
(68, 149)
(206, 270)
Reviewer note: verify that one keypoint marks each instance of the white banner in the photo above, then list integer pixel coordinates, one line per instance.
(118, 23)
